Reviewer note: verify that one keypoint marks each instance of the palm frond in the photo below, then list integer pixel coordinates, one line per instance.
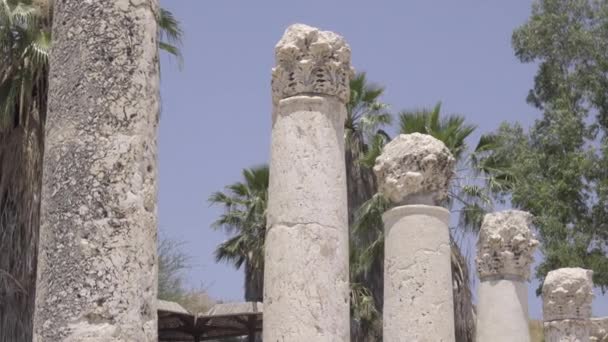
(170, 34)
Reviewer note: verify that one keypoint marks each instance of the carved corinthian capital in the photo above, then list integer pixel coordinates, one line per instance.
(505, 246)
(414, 169)
(310, 61)
(567, 294)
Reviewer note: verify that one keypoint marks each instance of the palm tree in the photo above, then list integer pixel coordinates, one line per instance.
(468, 193)
(245, 217)
(25, 40)
(366, 116)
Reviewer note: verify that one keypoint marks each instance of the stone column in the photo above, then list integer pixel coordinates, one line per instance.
(505, 251)
(97, 262)
(567, 297)
(413, 173)
(306, 290)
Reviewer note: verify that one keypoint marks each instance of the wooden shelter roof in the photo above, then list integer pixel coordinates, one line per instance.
(176, 324)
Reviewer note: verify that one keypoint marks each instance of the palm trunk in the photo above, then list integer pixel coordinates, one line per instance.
(254, 288)
(97, 260)
(20, 179)
(254, 283)
(361, 186)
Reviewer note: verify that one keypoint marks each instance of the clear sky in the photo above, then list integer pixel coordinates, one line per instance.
(216, 110)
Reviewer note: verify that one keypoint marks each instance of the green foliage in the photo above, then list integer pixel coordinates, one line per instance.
(244, 218)
(25, 44)
(559, 168)
(365, 113)
(451, 130)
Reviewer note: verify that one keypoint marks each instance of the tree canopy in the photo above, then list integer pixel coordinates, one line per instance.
(559, 167)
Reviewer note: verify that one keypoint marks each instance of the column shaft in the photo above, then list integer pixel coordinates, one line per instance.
(502, 311)
(418, 302)
(97, 261)
(306, 292)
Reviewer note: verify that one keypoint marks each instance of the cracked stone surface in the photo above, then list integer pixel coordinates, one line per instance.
(306, 291)
(506, 245)
(412, 167)
(567, 297)
(418, 302)
(97, 262)
(567, 294)
(311, 61)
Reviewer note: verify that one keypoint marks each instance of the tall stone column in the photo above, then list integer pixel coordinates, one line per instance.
(413, 172)
(567, 297)
(505, 251)
(306, 290)
(97, 261)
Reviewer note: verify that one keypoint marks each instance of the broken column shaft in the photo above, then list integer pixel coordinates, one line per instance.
(413, 172)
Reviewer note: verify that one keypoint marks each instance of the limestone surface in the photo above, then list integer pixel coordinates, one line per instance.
(97, 262)
(599, 329)
(567, 330)
(311, 61)
(306, 290)
(506, 245)
(418, 296)
(413, 166)
(502, 311)
(567, 294)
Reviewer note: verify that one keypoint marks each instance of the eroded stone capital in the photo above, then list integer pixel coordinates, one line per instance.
(414, 167)
(567, 294)
(505, 246)
(568, 330)
(310, 61)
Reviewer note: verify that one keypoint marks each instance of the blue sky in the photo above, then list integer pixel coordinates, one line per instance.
(216, 110)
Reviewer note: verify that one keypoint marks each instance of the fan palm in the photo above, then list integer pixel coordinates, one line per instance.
(471, 196)
(245, 217)
(25, 41)
(366, 116)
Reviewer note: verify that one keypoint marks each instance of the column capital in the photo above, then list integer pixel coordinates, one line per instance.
(567, 294)
(414, 169)
(311, 61)
(505, 246)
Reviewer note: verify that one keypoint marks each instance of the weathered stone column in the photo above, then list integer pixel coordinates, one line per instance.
(505, 251)
(97, 261)
(413, 172)
(306, 291)
(567, 297)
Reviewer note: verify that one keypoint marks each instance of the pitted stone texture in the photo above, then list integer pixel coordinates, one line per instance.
(567, 330)
(97, 262)
(502, 311)
(506, 245)
(307, 168)
(413, 166)
(306, 290)
(599, 329)
(418, 296)
(567, 294)
(310, 61)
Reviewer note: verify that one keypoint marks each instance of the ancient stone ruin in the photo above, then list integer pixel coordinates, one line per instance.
(567, 297)
(97, 267)
(504, 254)
(418, 304)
